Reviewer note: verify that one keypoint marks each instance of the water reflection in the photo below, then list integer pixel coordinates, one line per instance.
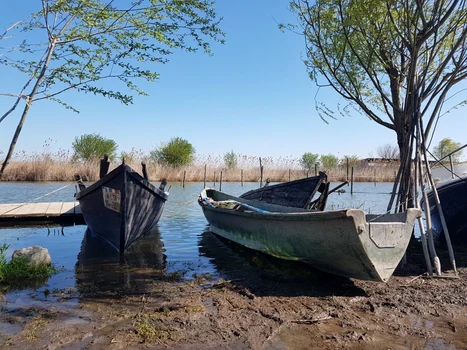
(100, 270)
(263, 274)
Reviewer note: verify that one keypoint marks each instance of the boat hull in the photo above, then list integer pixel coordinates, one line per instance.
(121, 207)
(453, 198)
(297, 193)
(338, 242)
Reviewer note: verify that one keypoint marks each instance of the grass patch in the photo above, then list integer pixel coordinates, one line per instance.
(19, 273)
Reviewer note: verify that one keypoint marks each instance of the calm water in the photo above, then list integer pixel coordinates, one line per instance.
(180, 242)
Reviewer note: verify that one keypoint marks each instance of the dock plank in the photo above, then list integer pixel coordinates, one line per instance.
(18, 214)
(5, 208)
(21, 210)
(68, 208)
(55, 208)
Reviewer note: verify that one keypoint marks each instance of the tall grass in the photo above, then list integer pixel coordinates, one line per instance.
(59, 166)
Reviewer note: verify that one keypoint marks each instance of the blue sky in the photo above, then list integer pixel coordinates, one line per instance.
(253, 96)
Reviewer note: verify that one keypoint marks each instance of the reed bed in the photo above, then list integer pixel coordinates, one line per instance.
(60, 167)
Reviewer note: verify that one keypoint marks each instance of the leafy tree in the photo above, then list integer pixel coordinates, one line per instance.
(177, 152)
(446, 146)
(80, 44)
(93, 147)
(230, 160)
(352, 160)
(329, 161)
(308, 160)
(388, 151)
(397, 62)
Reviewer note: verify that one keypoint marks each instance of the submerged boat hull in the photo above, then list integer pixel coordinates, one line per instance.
(344, 242)
(121, 207)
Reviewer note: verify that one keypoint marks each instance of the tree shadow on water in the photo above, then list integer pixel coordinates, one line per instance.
(265, 275)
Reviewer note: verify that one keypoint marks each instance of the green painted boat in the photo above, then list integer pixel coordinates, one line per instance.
(342, 242)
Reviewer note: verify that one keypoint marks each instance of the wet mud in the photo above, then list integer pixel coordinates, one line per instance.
(253, 302)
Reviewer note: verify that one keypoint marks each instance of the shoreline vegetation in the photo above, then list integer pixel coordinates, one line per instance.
(46, 168)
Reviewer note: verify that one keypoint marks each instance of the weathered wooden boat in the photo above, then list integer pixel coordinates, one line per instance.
(342, 242)
(122, 206)
(453, 199)
(297, 193)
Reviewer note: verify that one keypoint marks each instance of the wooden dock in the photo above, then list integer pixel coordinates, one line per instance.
(27, 214)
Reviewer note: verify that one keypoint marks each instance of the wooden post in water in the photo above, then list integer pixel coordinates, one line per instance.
(374, 176)
(204, 176)
(316, 169)
(214, 179)
(351, 182)
(260, 173)
(184, 174)
(220, 182)
(347, 158)
(452, 167)
(241, 176)
(289, 175)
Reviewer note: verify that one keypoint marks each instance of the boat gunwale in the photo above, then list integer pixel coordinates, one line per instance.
(115, 172)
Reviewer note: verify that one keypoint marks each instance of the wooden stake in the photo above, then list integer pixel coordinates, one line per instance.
(351, 182)
(220, 182)
(204, 185)
(241, 176)
(184, 174)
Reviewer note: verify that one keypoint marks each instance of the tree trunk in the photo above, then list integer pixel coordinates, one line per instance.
(15, 137)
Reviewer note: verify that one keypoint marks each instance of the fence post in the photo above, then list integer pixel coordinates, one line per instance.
(220, 182)
(351, 183)
(347, 168)
(214, 179)
(261, 173)
(452, 167)
(184, 174)
(204, 176)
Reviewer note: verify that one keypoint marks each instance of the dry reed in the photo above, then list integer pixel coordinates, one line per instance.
(60, 167)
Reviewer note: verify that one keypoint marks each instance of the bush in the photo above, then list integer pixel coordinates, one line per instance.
(93, 147)
(329, 161)
(177, 152)
(230, 160)
(309, 160)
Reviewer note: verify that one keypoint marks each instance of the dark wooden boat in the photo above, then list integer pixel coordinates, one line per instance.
(122, 206)
(453, 198)
(297, 193)
(344, 242)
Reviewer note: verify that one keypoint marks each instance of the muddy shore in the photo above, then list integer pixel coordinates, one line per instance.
(277, 305)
